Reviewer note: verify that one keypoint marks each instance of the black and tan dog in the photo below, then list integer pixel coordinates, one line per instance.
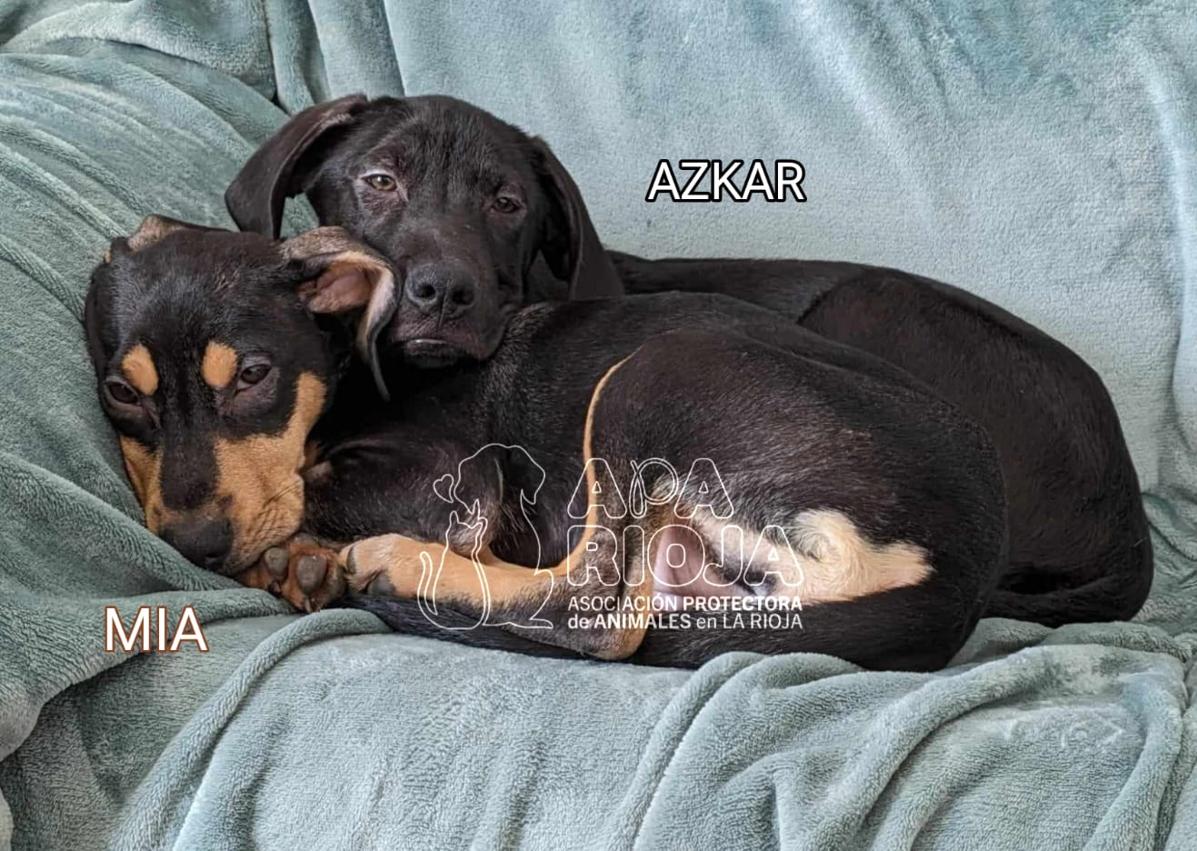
(464, 204)
(646, 453)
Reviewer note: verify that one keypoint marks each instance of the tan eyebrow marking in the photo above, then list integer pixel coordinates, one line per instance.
(219, 365)
(138, 367)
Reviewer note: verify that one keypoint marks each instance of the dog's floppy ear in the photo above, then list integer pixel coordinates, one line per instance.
(95, 322)
(153, 229)
(341, 275)
(572, 248)
(101, 335)
(256, 196)
(96, 307)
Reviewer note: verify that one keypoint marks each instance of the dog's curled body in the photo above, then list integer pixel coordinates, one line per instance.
(1080, 548)
(885, 502)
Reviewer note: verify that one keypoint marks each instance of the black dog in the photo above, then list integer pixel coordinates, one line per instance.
(466, 245)
(661, 468)
(461, 202)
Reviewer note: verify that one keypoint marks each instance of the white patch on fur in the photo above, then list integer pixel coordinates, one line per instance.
(828, 558)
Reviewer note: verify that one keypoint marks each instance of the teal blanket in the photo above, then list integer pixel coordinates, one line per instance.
(1042, 154)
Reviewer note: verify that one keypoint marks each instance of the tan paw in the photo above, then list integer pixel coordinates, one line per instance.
(385, 565)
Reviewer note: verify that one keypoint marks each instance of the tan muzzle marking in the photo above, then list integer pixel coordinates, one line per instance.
(258, 483)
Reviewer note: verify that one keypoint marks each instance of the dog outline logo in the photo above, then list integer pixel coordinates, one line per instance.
(473, 528)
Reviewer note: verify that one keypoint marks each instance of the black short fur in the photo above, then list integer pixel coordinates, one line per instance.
(1080, 549)
(1079, 539)
(798, 422)
(916, 471)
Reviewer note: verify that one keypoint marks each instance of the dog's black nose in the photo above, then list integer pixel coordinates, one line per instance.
(202, 541)
(436, 289)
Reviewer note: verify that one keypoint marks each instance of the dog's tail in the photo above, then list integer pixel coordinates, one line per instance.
(914, 628)
(1115, 596)
(406, 617)
(1122, 567)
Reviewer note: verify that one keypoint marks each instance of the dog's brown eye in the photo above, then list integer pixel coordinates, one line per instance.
(381, 182)
(252, 374)
(121, 392)
(506, 204)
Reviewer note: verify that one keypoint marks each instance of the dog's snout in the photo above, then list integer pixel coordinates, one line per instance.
(437, 289)
(203, 541)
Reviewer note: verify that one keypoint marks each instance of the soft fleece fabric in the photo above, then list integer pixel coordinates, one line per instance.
(1043, 155)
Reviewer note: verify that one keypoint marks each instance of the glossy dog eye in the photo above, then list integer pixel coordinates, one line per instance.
(381, 182)
(121, 392)
(252, 374)
(506, 204)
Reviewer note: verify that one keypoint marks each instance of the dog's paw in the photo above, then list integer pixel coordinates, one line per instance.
(385, 565)
(304, 572)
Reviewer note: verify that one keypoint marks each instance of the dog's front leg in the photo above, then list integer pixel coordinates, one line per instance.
(545, 604)
(601, 575)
